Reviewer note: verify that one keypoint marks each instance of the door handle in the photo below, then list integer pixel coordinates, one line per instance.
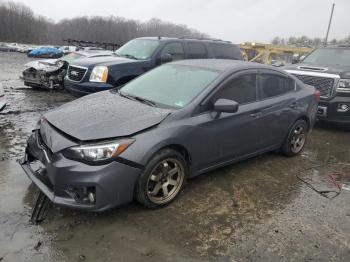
(255, 115)
(293, 105)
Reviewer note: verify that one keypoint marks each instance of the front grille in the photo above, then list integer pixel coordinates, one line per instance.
(323, 84)
(76, 73)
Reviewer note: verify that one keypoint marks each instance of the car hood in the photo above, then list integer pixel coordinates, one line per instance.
(105, 61)
(104, 115)
(342, 71)
(46, 64)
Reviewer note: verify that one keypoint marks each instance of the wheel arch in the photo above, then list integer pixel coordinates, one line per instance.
(180, 148)
(301, 117)
(306, 119)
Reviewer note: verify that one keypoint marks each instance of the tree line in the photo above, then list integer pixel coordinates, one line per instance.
(305, 41)
(20, 24)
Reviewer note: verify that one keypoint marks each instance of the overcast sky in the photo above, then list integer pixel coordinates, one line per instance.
(234, 20)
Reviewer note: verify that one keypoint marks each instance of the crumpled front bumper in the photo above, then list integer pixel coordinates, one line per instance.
(112, 183)
(40, 78)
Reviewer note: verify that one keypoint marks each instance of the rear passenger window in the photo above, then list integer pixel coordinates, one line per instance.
(197, 51)
(275, 85)
(175, 50)
(226, 51)
(241, 89)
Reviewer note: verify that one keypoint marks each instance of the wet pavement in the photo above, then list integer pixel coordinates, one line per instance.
(256, 210)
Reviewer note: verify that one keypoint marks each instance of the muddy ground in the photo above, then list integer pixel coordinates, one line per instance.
(257, 210)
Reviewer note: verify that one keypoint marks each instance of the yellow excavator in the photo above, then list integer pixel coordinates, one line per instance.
(272, 54)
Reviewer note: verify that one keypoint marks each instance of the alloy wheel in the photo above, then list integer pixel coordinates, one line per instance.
(165, 181)
(298, 139)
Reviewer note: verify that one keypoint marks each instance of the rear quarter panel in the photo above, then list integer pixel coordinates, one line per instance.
(307, 103)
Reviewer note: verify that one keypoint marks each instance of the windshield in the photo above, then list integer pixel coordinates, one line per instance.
(138, 49)
(170, 85)
(329, 56)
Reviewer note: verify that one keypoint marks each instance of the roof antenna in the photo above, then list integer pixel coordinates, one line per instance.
(329, 25)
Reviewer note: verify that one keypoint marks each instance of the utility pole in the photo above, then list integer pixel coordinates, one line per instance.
(329, 25)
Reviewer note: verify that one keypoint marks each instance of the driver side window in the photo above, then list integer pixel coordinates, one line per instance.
(242, 89)
(175, 50)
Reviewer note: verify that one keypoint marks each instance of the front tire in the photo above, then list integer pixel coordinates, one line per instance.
(162, 180)
(296, 139)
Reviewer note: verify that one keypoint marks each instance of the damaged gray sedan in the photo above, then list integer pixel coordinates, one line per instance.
(175, 122)
(50, 73)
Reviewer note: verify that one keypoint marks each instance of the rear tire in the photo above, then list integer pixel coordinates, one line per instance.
(162, 180)
(296, 139)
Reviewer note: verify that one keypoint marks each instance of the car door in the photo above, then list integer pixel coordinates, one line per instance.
(196, 50)
(279, 106)
(175, 49)
(226, 136)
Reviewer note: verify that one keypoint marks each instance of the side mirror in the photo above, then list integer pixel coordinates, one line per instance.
(295, 60)
(166, 58)
(226, 105)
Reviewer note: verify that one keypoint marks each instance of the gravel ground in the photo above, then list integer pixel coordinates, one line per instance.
(256, 210)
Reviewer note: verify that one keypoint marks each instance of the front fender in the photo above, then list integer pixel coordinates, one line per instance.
(147, 144)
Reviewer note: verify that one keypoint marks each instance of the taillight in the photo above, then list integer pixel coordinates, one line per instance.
(317, 95)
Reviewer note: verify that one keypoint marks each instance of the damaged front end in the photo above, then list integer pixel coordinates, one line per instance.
(71, 183)
(48, 74)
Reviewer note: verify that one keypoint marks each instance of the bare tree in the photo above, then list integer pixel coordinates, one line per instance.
(305, 41)
(20, 24)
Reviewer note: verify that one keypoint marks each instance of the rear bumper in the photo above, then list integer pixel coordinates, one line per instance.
(328, 110)
(85, 88)
(63, 180)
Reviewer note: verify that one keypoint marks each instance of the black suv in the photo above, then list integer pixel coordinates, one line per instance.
(328, 69)
(138, 56)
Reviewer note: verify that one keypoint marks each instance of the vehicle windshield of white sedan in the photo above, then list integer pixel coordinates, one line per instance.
(171, 85)
(138, 49)
(329, 56)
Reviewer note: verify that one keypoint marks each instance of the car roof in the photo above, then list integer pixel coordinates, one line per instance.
(165, 39)
(223, 65)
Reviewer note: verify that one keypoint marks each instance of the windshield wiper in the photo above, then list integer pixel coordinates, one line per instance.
(137, 98)
(125, 95)
(145, 101)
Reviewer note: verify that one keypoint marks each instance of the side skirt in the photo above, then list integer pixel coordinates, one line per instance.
(235, 160)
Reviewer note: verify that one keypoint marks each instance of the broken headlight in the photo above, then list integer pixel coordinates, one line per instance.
(60, 63)
(344, 85)
(99, 74)
(97, 153)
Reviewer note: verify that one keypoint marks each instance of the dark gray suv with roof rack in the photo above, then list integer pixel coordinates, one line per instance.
(138, 56)
(328, 69)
